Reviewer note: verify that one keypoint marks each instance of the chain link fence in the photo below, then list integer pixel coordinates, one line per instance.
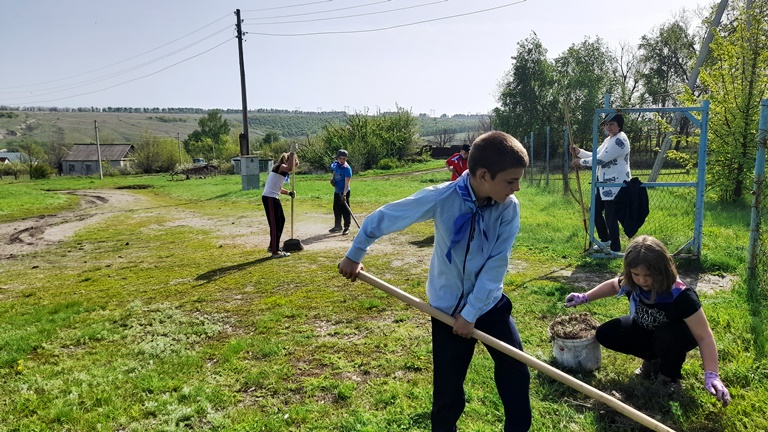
(673, 187)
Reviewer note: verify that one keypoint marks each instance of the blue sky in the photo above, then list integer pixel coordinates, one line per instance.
(298, 53)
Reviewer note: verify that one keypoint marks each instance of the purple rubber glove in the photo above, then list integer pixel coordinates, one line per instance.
(575, 299)
(713, 385)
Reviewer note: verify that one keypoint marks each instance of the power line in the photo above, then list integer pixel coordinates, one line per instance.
(116, 63)
(287, 7)
(124, 82)
(353, 16)
(389, 27)
(326, 11)
(66, 87)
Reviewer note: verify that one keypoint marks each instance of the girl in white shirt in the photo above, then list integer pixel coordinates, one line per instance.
(273, 188)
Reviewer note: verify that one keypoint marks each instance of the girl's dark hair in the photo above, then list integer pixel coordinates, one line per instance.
(496, 152)
(650, 253)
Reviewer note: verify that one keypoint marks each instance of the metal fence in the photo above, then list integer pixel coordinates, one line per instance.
(757, 252)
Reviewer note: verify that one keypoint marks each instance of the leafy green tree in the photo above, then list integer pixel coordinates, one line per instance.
(214, 126)
(270, 137)
(666, 56)
(372, 138)
(211, 137)
(526, 96)
(32, 154)
(153, 154)
(40, 171)
(737, 78)
(16, 169)
(202, 147)
(584, 73)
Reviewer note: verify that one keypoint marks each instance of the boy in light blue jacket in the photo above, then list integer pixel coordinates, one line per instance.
(476, 219)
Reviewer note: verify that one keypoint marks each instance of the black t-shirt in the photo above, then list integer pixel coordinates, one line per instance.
(650, 315)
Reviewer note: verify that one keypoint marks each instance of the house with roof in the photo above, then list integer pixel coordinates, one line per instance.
(83, 159)
(8, 157)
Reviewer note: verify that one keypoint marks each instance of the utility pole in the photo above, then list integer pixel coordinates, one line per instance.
(178, 140)
(98, 148)
(245, 147)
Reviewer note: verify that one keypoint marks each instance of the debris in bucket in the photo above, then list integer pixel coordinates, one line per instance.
(576, 326)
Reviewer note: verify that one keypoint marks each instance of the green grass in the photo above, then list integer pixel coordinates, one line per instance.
(135, 325)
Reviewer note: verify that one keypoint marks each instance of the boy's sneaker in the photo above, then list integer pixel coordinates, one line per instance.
(615, 254)
(345, 232)
(335, 229)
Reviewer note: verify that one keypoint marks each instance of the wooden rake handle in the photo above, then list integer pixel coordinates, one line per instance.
(519, 355)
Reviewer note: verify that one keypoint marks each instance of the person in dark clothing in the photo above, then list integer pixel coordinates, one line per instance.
(612, 167)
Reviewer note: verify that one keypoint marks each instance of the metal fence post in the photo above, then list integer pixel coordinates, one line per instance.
(701, 180)
(547, 162)
(757, 202)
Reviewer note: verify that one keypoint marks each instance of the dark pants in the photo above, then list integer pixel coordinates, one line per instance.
(276, 221)
(669, 342)
(340, 210)
(451, 355)
(606, 223)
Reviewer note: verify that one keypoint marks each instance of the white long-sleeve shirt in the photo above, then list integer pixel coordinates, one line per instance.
(470, 288)
(612, 163)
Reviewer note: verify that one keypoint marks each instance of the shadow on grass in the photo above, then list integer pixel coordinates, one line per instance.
(221, 272)
(584, 276)
(427, 241)
(647, 397)
(320, 237)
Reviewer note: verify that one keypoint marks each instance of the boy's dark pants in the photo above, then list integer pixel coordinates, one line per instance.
(451, 355)
(669, 342)
(607, 225)
(340, 210)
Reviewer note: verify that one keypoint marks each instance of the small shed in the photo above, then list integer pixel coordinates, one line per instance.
(83, 158)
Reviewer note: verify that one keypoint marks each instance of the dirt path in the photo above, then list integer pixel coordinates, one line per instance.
(34, 234)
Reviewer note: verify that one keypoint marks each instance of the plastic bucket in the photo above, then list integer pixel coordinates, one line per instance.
(577, 354)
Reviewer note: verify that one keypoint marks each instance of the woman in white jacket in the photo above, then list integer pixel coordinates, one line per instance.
(612, 167)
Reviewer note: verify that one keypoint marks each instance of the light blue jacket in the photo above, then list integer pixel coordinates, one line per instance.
(451, 287)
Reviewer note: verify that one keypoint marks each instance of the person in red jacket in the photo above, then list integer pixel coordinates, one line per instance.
(457, 163)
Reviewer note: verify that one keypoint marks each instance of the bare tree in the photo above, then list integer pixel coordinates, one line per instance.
(443, 138)
(470, 137)
(629, 68)
(485, 124)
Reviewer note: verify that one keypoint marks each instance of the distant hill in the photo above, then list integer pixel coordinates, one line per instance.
(71, 127)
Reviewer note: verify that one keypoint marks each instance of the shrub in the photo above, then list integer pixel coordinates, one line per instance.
(387, 164)
(41, 171)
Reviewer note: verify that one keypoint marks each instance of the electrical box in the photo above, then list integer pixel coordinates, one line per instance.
(249, 170)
